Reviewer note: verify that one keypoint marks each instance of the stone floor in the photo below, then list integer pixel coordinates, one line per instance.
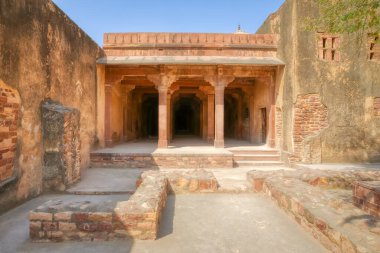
(112, 180)
(340, 166)
(191, 223)
(107, 181)
(179, 145)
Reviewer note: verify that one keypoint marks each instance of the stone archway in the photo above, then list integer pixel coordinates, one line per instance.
(149, 114)
(186, 116)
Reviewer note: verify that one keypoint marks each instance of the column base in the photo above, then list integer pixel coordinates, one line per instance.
(210, 140)
(162, 144)
(219, 143)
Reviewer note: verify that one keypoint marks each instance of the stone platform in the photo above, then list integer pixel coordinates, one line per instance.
(187, 153)
(321, 202)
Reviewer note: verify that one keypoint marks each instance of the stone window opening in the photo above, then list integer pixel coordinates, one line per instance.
(328, 47)
(374, 47)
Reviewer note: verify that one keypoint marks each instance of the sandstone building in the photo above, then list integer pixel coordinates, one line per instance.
(315, 97)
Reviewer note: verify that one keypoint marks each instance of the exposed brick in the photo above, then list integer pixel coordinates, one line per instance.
(310, 117)
(40, 216)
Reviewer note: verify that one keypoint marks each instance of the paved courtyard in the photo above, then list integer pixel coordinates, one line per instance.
(191, 223)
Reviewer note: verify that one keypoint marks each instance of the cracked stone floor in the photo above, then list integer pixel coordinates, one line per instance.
(220, 223)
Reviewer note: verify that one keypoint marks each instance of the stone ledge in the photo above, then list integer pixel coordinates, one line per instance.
(328, 216)
(193, 181)
(161, 160)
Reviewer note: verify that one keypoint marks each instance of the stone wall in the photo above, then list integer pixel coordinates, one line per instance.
(43, 54)
(345, 86)
(61, 139)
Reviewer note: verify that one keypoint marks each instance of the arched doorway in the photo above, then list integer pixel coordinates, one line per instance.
(186, 116)
(149, 113)
(230, 117)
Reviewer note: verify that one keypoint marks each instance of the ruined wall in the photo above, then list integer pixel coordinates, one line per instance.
(347, 87)
(43, 54)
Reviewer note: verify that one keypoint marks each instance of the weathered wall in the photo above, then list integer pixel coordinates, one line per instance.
(43, 54)
(347, 88)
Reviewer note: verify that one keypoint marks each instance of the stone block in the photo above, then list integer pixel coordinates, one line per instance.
(40, 216)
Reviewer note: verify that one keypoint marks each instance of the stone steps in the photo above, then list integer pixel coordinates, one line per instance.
(256, 157)
(257, 163)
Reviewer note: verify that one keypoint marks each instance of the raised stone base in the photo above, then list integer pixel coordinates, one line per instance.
(162, 160)
(138, 217)
(322, 211)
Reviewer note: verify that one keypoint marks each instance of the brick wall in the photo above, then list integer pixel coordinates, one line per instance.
(278, 127)
(9, 115)
(310, 117)
(376, 107)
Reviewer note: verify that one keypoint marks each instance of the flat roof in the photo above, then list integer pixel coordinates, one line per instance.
(189, 60)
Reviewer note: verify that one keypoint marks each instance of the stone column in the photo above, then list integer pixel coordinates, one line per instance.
(204, 118)
(127, 112)
(107, 115)
(169, 116)
(219, 116)
(272, 114)
(210, 118)
(239, 128)
(252, 127)
(162, 82)
(162, 117)
(219, 82)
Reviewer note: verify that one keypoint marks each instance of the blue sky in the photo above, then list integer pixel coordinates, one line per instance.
(216, 16)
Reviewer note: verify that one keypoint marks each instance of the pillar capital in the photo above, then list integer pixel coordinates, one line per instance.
(162, 81)
(219, 80)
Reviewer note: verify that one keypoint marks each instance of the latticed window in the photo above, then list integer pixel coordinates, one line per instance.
(328, 47)
(373, 47)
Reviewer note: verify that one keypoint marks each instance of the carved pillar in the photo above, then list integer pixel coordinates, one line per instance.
(162, 82)
(252, 128)
(107, 115)
(272, 114)
(210, 118)
(219, 116)
(169, 116)
(219, 82)
(204, 118)
(127, 112)
(162, 117)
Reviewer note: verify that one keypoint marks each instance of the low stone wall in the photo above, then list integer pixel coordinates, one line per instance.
(325, 213)
(191, 181)
(137, 217)
(141, 214)
(366, 195)
(116, 160)
(178, 161)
